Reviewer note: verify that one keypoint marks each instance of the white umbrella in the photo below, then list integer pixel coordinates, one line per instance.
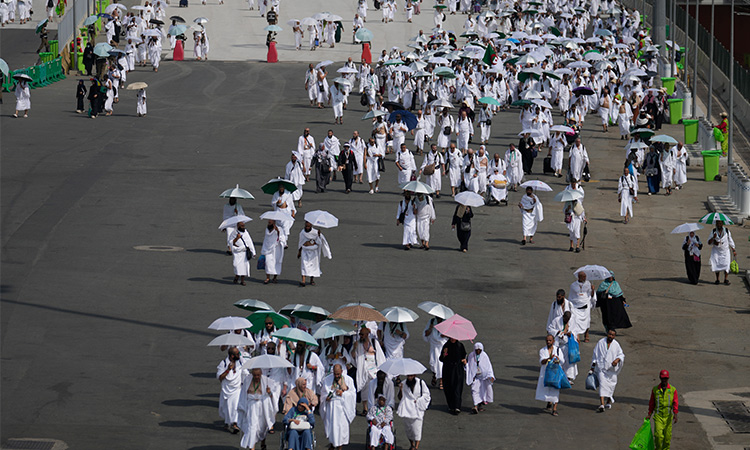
(200, 20)
(402, 366)
(332, 328)
(593, 56)
(594, 272)
(236, 192)
(266, 362)
(230, 323)
(322, 219)
(292, 22)
(579, 65)
(399, 314)
(469, 198)
(347, 70)
(234, 220)
(531, 94)
(417, 187)
(568, 195)
(562, 129)
(342, 80)
(325, 63)
(231, 339)
(251, 304)
(436, 309)
(537, 185)
(308, 21)
(541, 102)
(532, 132)
(374, 113)
(664, 138)
(137, 85)
(636, 145)
(153, 32)
(687, 228)
(276, 215)
(441, 103)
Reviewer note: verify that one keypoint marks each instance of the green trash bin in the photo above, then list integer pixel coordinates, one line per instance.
(691, 131)
(675, 110)
(668, 84)
(710, 164)
(54, 48)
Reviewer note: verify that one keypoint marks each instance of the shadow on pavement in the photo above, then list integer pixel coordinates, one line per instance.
(225, 280)
(203, 375)
(189, 402)
(530, 368)
(217, 426)
(213, 447)
(206, 250)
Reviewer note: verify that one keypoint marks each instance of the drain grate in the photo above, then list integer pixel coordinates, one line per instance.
(29, 444)
(736, 414)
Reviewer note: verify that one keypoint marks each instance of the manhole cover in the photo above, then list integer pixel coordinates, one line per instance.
(158, 248)
(736, 415)
(34, 444)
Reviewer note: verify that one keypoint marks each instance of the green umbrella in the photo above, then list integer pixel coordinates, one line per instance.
(530, 11)
(393, 62)
(310, 312)
(555, 31)
(90, 20)
(440, 6)
(41, 25)
(501, 35)
(258, 319)
(551, 75)
(253, 305)
(332, 328)
(643, 132)
(525, 75)
(364, 35)
(295, 335)
(711, 219)
(272, 186)
(522, 102)
(489, 101)
(664, 139)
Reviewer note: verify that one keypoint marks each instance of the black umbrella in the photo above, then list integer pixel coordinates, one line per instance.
(177, 19)
(393, 106)
(156, 22)
(583, 90)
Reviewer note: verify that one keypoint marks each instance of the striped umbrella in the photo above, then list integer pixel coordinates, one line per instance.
(712, 218)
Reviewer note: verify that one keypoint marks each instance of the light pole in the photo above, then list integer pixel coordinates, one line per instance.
(711, 66)
(695, 60)
(687, 35)
(731, 90)
(672, 54)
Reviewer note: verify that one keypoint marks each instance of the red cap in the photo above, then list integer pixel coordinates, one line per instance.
(664, 374)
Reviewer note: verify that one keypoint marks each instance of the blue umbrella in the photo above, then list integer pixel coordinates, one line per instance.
(409, 119)
(364, 35)
(275, 28)
(102, 49)
(106, 16)
(90, 20)
(116, 52)
(176, 30)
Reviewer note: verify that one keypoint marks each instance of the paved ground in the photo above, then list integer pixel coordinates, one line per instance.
(104, 344)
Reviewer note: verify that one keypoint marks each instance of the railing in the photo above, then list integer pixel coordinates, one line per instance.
(41, 75)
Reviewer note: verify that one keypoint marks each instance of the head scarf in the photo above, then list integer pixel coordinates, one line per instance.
(614, 287)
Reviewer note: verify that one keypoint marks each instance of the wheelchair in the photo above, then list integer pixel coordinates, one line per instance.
(381, 444)
(284, 442)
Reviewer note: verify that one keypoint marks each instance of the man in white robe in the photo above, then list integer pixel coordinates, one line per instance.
(627, 192)
(514, 167)
(666, 163)
(436, 342)
(405, 164)
(311, 84)
(722, 245)
(414, 399)
(680, 165)
(23, 98)
(230, 374)
(394, 336)
(578, 159)
(332, 146)
(558, 307)
(256, 410)
(241, 244)
(295, 172)
(333, 352)
(231, 209)
(311, 246)
(357, 145)
(544, 393)
(368, 356)
(561, 329)
(338, 405)
(307, 365)
(273, 251)
(425, 218)
(607, 362)
(406, 215)
(374, 152)
(582, 300)
(532, 213)
(283, 201)
(480, 376)
(455, 168)
(434, 163)
(306, 148)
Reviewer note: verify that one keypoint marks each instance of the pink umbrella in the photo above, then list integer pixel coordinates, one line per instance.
(458, 328)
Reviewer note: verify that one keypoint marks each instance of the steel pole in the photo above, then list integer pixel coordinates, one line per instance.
(695, 60)
(731, 90)
(687, 35)
(75, 35)
(672, 26)
(711, 66)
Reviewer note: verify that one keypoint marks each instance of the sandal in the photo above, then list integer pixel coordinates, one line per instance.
(727, 282)
(554, 413)
(523, 242)
(266, 281)
(312, 283)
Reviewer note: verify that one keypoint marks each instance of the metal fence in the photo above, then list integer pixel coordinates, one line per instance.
(722, 58)
(71, 21)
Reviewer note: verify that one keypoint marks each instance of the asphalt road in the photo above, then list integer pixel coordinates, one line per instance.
(104, 345)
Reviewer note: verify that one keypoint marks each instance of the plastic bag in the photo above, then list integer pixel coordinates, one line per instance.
(592, 382)
(734, 267)
(718, 135)
(574, 350)
(553, 375)
(261, 262)
(644, 438)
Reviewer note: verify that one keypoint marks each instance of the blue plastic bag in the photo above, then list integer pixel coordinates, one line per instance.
(262, 262)
(592, 382)
(574, 350)
(553, 375)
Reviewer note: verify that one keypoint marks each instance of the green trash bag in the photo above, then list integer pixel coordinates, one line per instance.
(644, 438)
(734, 267)
(718, 135)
